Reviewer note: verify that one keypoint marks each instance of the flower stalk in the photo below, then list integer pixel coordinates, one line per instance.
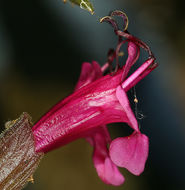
(18, 159)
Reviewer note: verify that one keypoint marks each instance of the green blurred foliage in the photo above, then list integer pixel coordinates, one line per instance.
(84, 4)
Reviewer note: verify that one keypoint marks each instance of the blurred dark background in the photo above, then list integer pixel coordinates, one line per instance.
(42, 46)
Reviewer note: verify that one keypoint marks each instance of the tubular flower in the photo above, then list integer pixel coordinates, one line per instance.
(98, 100)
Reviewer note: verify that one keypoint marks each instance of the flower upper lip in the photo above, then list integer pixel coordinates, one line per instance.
(139, 74)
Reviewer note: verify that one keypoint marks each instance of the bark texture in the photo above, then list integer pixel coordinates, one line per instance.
(18, 159)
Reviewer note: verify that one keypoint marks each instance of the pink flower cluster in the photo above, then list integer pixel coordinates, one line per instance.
(98, 100)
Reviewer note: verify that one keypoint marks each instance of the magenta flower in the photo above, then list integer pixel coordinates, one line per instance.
(99, 100)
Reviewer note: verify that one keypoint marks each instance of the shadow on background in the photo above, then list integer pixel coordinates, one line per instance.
(42, 46)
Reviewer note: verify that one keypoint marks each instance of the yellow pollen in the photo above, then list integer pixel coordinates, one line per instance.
(135, 100)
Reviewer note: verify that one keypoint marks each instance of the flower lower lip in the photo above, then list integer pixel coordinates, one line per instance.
(139, 74)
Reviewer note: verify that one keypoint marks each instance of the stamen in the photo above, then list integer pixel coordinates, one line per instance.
(118, 52)
(128, 38)
(112, 54)
(125, 33)
(110, 58)
(121, 54)
(111, 21)
(135, 40)
(123, 15)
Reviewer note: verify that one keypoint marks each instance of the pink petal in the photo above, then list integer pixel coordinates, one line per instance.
(133, 55)
(93, 105)
(106, 169)
(108, 172)
(130, 152)
(99, 138)
(89, 73)
(122, 97)
(101, 102)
